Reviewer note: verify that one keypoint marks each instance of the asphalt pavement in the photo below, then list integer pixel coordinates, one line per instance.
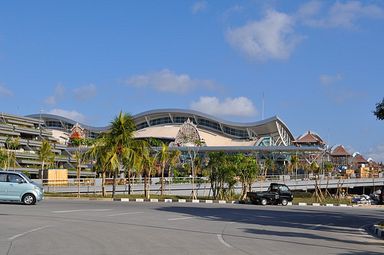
(105, 227)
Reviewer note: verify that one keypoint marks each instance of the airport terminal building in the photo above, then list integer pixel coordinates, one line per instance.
(165, 125)
(268, 138)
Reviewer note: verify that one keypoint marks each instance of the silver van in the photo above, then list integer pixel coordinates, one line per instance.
(17, 187)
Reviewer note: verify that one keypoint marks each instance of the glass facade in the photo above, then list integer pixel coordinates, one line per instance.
(159, 121)
(236, 132)
(142, 125)
(209, 124)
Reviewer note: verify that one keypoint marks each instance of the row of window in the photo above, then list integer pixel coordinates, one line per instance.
(203, 122)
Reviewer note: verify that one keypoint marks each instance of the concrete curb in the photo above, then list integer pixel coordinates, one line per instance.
(155, 200)
(197, 201)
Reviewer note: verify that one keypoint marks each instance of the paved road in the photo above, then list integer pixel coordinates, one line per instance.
(101, 227)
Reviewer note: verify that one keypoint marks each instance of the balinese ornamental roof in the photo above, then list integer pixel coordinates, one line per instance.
(309, 137)
(340, 151)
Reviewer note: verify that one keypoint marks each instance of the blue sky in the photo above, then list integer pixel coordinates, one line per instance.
(319, 64)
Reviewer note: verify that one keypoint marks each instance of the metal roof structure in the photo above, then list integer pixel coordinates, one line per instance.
(268, 132)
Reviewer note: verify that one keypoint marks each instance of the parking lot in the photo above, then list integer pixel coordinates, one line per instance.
(105, 227)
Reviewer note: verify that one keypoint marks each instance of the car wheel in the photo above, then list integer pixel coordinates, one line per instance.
(263, 201)
(284, 202)
(29, 199)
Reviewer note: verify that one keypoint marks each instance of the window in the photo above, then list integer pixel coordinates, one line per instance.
(209, 124)
(283, 188)
(160, 121)
(236, 132)
(142, 125)
(3, 177)
(15, 178)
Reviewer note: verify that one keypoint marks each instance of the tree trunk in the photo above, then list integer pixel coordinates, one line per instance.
(103, 193)
(42, 172)
(78, 180)
(162, 179)
(146, 186)
(114, 184)
(129, 181)
(244, 191)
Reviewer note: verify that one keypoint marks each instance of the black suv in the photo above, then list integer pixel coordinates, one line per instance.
(276, 194)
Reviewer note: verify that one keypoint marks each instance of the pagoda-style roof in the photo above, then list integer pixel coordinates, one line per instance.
(340, 151)
(309, 138)
(359, 159)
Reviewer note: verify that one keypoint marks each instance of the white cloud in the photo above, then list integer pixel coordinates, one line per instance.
(376, 153)
(167, 81)
(238, 106)
(199, 6)
(340, 14)
(270, 38)
(5, 92)
(326, 79)
(57, 95)
(309, 9)
(85, 92)
(73, 115)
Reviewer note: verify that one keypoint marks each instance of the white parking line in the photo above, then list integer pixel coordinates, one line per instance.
(82, 210)
(220, 237)
(182, 218)
(27, 232)
(126, 213)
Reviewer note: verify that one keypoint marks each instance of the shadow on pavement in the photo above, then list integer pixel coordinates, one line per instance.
(313, 224)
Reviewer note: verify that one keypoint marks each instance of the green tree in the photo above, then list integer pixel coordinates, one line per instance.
(269, 164)
(11, 144)
(294, 163)
(379, 110)
(193, 152)
(216, 159)
(146, 166)
(247, 171)
(99, 154)
(45, 156)
(314, 167)
(3, 158)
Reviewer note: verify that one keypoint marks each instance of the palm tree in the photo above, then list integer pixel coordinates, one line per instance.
(99, 153)
(79, 158)
(164, 157)
(116, 147)
(174, 159)
(294, 161)
(11, 144)
(118, 140)
(145, 166)
(45, 155)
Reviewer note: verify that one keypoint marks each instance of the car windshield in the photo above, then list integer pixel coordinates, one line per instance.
(26, 177)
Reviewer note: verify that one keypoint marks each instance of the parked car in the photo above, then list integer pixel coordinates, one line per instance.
(276, 194)
(362, 199)
(17, 187)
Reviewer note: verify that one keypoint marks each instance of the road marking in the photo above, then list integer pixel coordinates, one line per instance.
(82, 210)
(182, 218)
(27, 232)
(126, 213)
(220, 237)
(321, 225)
(316, 226)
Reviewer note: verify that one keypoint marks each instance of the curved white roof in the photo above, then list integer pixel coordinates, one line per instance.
(163, 123)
